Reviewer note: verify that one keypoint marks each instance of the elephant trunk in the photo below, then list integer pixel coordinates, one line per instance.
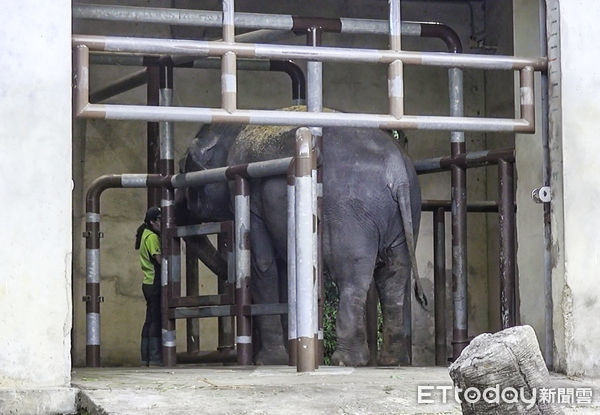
(201, 247)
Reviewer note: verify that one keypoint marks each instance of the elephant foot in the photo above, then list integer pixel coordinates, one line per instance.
(272, 356)
(392, 359)
(350, 357)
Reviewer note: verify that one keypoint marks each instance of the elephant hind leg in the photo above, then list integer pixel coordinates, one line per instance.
(352, 269)
(265, 290)
(393, 286)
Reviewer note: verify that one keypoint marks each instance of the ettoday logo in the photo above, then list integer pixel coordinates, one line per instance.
(427, 394)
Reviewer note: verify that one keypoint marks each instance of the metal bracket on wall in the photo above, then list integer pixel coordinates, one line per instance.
(542, 194)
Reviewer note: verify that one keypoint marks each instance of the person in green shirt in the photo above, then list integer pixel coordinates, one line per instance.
(147, 240)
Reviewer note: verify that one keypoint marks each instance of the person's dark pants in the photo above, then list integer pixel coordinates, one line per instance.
(151, 331)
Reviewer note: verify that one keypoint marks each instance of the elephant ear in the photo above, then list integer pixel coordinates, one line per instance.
(201, 152)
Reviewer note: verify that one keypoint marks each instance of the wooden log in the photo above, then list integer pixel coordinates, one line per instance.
(495, 367)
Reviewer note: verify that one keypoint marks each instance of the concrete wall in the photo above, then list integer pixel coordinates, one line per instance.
(530, 216)
(579, 300)
(102, 147)
(35, 283)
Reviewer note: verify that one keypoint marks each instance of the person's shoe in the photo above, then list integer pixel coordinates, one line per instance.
(155, 351)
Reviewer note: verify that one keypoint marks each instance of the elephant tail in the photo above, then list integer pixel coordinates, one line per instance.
(404, 205)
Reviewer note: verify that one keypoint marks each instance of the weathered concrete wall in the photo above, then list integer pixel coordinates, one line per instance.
(118, 147)
(35, 132)
(580, 294)
(530, 216)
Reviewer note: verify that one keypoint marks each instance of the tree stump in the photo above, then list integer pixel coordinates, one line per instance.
(494, 367)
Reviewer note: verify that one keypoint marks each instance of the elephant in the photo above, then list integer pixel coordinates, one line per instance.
(371, 212)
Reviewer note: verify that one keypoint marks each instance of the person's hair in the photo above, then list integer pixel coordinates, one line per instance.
(152, 213)
(138, 235)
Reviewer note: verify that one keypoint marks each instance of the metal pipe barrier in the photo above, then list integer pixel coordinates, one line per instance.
(243, 269)
(140, 78)
(505, 206)
(92, 248)
(314, 72)
(93, 234)
(207, 115)
(305, 272)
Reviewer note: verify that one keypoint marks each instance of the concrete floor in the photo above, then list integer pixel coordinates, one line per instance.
(274, 390)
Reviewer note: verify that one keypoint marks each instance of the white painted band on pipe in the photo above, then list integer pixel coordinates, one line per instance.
(167, 202)
(527, 95)
(134, 180)
(396, 87)
(319, 189)
(304, 257)
(165, 129)
(243, 339)
(291, 256)
(92, 217)
(92, 267)
(242, 227)
(228, 83)
(228, 12)
(92, 329)
(457, 137)
(164, 273)
(168, 338)
(395, 25)
(320, 335)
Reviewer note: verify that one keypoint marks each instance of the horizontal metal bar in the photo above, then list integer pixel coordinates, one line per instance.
(467, 160)
(265, 309)
(211, 18)
(209, 228)
(202, 312)
(316, 119)
(202, 300)
(199, 48)
(481, 206)
(181, 17)
(252, 170)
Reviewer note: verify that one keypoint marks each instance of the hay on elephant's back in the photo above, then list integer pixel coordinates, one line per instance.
(259, 138)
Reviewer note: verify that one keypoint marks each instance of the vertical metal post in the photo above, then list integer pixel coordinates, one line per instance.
(548, 303)
(192, 325)
(242, 269)
(226, 324)
(305, 272)
(171, 259)
(395, 70)
(506, 213)
(291, 268)
(527, 98)
(228, 60)
(314, 102)
(92, 288)
(152, 141)
(459, 221)
(439, 285)
(92, 227)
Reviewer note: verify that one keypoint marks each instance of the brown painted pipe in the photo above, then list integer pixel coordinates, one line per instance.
(507, 244)
(439, 285)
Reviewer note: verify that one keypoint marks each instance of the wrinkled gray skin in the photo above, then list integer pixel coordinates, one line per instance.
(367, 177)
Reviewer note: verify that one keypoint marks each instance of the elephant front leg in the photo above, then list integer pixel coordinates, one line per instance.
(265, 290)
(393, 286)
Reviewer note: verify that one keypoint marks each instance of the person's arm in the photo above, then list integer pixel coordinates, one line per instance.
(154, 248)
